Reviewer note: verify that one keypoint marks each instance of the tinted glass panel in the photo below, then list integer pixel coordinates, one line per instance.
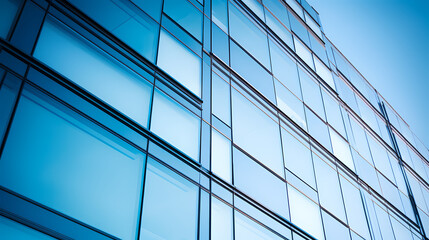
(186, 15)
(221, 221)
(267, 189)
(221, 156)
(297, 156)
(252, 72)
(94, 70)
(305, 213)
(311, 93)
(170, 205)
(8, 11)
(126, 22)
(285, 69)
(73, 166)
(180, 62)
(220, 13)
(221, 98)
(246, 229)
(290, 104)
(256, 133)
(248, 35)
(176, 125)
(151, 7)
(341, 150)
(334, 230)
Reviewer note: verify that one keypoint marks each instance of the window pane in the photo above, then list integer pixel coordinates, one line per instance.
(324, 73)
(170, 205)
(221, 221)
(341, 150)
(311, 93)
(220, 13)
(305, 213)
(256, 7)
(221, 156)
(256, 133)
(297, 156)
(280, 29)
(329, 190)
(303, 52)
(151, 7)
(334, 230)
(246, 229)
(318, 129)
(73, 167)
(266, 188)
(8, 11)
(10, 229)
(249, 36)
(290, 104)
(221, 98)
(333, 113)
(186, 15)
(176, 125)
(285, 69)
(126, 22)
(299, 29)
(178, 61)
(94, 70)
(252, 72)
(354, 208)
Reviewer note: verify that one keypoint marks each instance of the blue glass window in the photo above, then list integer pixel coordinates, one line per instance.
(384, 223)
(256, 133)
(94, 70)
(354, 208)
(318, 129)
(341, 150)
(176, 125)
(299, 29)
(324, 73)
(151, 7)
(252, 71)
(221, 156)
(380, 158)
(221, 220)
(285, 69)
(221, 98)
(303, 52)
(305, 213)
(311, 93)
(290, 104)
(246, 229)
(186, 15)
(333, 229)
(220, 13)
(248, 35)
(276, 8)
(8, 11)
(279, 29)
(297, 155)
(256, 7)
(266, 188)
(333, 113)
(328, 186)
(170, 205)
(126, 22)
(10, 229)
(180, 62)
(72, 166)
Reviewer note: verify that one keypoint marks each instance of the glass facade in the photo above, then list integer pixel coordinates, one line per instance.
(192, 119)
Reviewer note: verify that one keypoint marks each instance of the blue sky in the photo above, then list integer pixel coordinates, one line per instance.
(388, 42)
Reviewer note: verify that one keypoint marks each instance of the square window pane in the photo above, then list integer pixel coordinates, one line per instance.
(176, 125)
(170, 205)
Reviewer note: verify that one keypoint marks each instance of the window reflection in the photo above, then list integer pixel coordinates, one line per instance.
(221, 156)
(8, 11)
(10, 229)
(72, 166)
(246, 229)
(176, 125)
(170, 205)
(221, 220)
(94, 70)
(186, 15)
(178, 61)
(256, 133)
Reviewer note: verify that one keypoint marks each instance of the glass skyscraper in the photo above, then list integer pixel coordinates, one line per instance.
(196, 119)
